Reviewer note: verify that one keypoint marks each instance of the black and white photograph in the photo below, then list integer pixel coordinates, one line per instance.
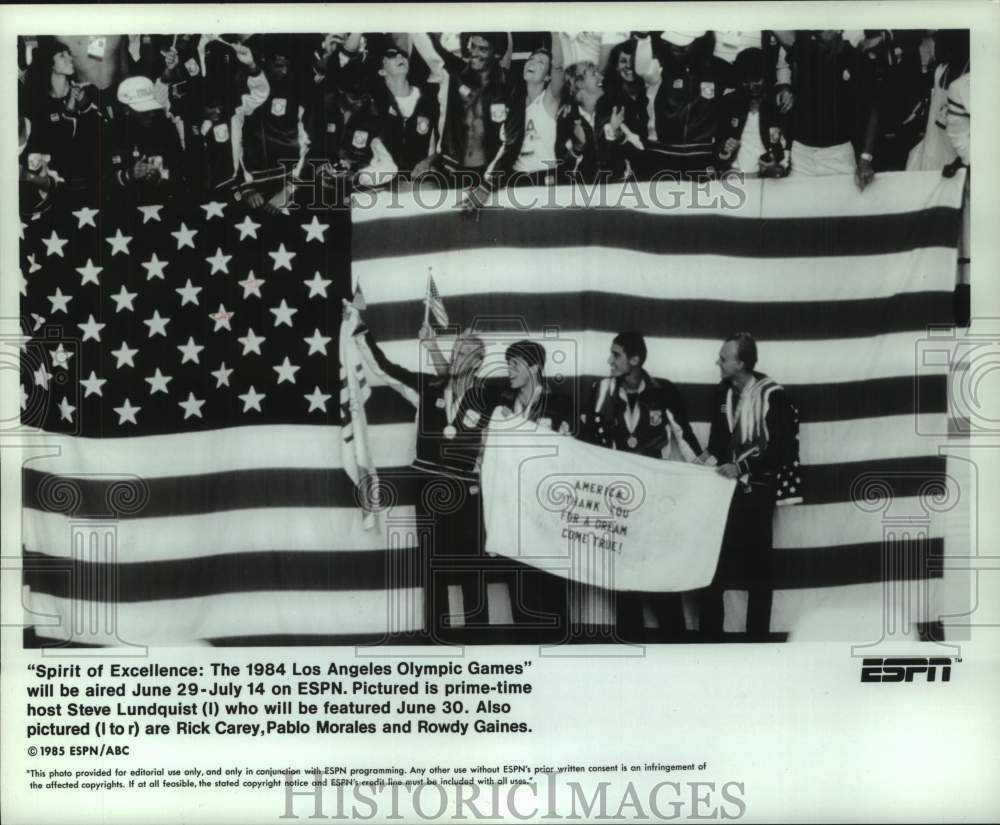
(424, 395)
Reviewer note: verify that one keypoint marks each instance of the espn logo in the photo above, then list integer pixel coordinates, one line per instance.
(904, 670)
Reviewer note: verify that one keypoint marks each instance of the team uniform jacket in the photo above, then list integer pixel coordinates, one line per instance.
(213, 150)
(660, 424)
(601, 152)
(687, 110)
(409, 140)
(68, 138)
(735, 109)
(464, 86)
(458, 456)
(758, 430)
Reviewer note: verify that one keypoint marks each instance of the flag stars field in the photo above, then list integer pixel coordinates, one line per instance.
(317, 343)
(219, 262)
(184, 236)
(85, 217)
(188, 293)
(190, 351)
(157, 324)
(91, 330)
(54, 244)
(251, 399)
(283, 314)
(158, 382)
(251, 285)
(89, 273)
(251, 342)
(93, 385)
(317, 400)
(282, 258)
(213, 209)
(59, 301)
(192, 406)
(150, 213)
(154, 268)
(222, 317)
(127, 413)
(317, 285)
(286, 371)
(221, 375)
(119, 243)
(248, 229)
(314, 230)
(124, 355)
(124, 299)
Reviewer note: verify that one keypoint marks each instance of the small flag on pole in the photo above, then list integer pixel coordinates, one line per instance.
(433, 303)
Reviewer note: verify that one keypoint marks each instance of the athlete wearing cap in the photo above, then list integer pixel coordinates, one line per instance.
(147, 153)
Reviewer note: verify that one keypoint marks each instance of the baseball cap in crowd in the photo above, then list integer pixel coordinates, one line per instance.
(137, 94)
(675, 38)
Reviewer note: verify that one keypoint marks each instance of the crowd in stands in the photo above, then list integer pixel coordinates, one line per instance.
(248, 116)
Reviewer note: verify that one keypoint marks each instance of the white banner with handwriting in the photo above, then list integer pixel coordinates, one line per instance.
(599, 516)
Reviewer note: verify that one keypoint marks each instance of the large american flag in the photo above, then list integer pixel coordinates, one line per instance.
(840, 289)
(181, 363)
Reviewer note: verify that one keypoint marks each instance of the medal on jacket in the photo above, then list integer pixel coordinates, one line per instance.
(451, 406)
(631, 416)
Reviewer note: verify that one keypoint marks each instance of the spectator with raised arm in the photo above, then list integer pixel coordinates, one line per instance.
(685, 105)
(528, 152)
(477, 104)
(275, 140)
(408, 113)
(834, 122)
(213, 144)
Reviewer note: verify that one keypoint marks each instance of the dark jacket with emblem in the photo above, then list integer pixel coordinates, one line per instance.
(773, 128)
(465, 83)
(600, 155)
(688, 104)
(459, 455)
(408, 139)
(661, 418)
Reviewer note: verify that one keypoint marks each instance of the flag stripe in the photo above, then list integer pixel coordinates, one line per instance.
(275, 570)
(752, 198)
(691, 360)
(679, 318)
(140, 541)
(840, 237)
(627, 272)
(282, 488)
(822, 442)
(280, 572)
(817, 402)
(236, 614)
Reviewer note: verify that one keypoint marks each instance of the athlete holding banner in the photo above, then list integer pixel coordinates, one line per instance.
(453, 410)
(754, 439)
(633, 412)
(538, 599)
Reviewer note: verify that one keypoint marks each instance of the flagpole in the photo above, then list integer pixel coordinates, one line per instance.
(427, 298)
